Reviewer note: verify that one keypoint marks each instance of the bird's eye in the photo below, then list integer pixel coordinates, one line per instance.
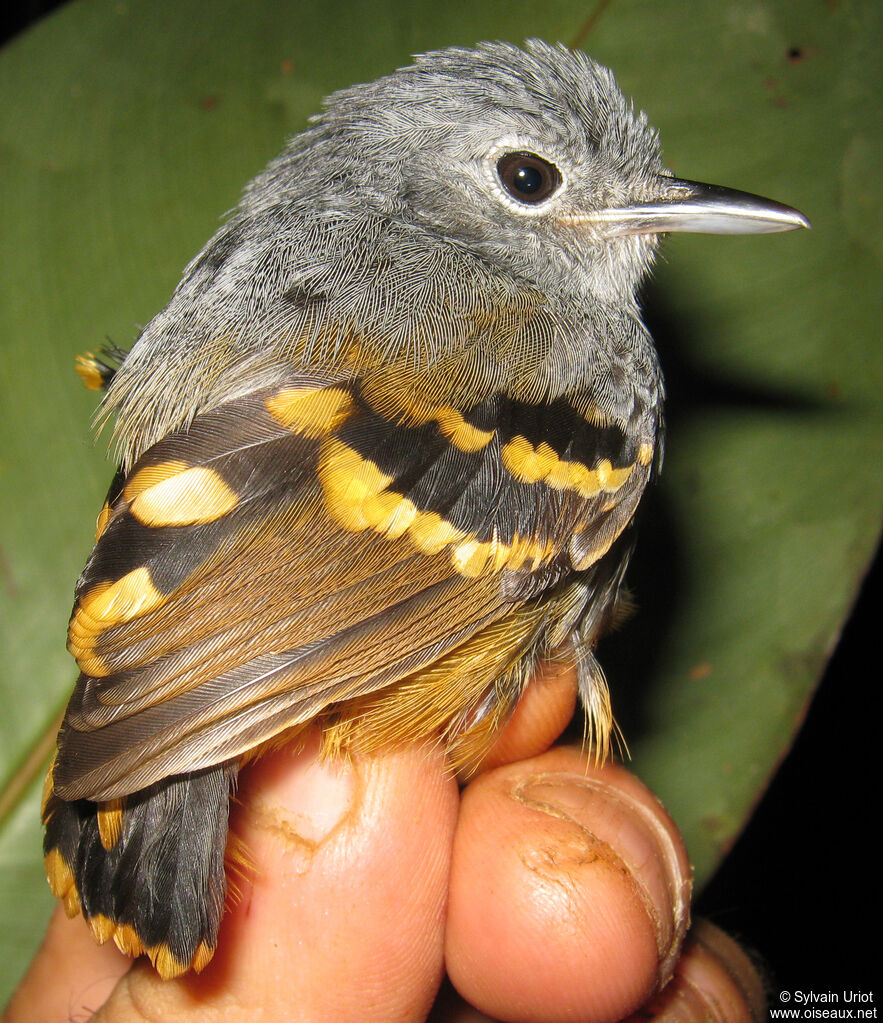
(527, 177)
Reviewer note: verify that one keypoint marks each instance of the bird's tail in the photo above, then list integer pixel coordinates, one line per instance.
(146, 870)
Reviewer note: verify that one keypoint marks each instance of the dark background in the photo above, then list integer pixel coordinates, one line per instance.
(801, 887)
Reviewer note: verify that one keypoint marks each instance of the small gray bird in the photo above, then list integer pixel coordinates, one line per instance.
(379, 455)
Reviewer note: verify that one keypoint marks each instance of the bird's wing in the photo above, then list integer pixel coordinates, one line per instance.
(299, 549)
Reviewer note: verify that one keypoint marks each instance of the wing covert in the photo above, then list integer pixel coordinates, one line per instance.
(299, 548)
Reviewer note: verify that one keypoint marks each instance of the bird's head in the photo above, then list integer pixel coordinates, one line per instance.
(532, 158)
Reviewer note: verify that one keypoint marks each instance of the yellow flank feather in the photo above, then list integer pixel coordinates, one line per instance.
(420, 705)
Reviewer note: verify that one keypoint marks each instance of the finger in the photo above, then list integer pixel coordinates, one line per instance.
(542, 714)
(341, 913)
(450, 1007)
(69, 978)
(569, 892)
(714, 982)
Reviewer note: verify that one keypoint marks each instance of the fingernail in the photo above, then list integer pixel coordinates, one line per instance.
(632, 832)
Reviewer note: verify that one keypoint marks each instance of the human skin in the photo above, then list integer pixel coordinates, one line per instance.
(546, 888)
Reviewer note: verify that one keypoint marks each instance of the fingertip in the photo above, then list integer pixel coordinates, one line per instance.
(71, 976)
(543, 712)
(741, 970)
(569, 892)
(349, 865)
(715, 982)
(341, 902)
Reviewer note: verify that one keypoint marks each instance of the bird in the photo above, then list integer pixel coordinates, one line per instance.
(379, 455)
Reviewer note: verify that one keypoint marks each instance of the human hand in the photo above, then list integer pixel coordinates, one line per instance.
(547, 889)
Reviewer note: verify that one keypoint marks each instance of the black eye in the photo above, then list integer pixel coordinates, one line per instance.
(527, 177)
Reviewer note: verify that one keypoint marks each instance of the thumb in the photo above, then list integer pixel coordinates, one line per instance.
(347, 863)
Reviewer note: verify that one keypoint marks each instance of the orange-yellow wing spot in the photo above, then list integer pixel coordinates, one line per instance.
(591, 413)
(645, 453)
(531, 464)
(311, 411)
(473, 558)
(527, 463)
(430, 533)
(87, 660)
(351, 483)
(108, 604)
(596, 553)
(358, 497)
(389, 513)
(151, 476)
(190, 498)
(523, 549)
(102, 520)
(89, 371)
(464, 436)
(398, 404)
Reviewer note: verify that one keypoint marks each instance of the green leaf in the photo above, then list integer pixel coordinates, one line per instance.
(127, 129)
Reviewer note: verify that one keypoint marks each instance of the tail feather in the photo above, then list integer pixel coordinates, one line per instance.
(147, 870)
